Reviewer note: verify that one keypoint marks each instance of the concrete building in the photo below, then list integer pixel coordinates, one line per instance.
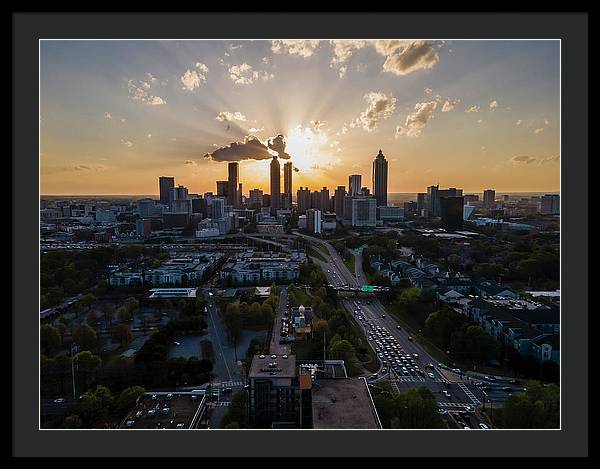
(275, 185)
(338, 201)
(165, 184)
(550, 204)
(380, 179)
(255, 197)
(146, 207)
(313, 221)
(233, 173)
(354, 184)
(143, 227)
(364, 212)
(434, 193)
(303, 199)
(178, 193)
(451, 212)
(489, 199)
(390, 213)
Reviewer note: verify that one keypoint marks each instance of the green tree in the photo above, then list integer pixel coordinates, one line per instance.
(87, 300)
(49, 340)
(537, 407)
(91, 317)
(124, 314)
(72, 421)
(121, 334)
(86, 364)
(85, 337)
(128, 398)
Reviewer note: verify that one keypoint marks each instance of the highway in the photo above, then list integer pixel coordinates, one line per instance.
(393, 345)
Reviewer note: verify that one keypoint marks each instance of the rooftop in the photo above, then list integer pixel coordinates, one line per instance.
(343, 404)
(273, 366)
(172, 293)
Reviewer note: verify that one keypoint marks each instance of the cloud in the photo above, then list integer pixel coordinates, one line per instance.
(82, 167)
(428, 91)
(149, 135)
(418, 55)
(380, 107)
(244, 74)
(226, 116)
(546, 122)
(138, 91)
(107, 115)
(317, 125)
(254, 129)
(127, 143)
(191, 80)
(493, 105)
(344, 49)
(550, 159)
(278, 144)
(190, 163)
(523, 160)
(416, 121)
(537, 131)
(202, 67)
(251, 148)
(303, 48)
(449, 104)
(123, 120)
(519, 122)
(479, 121)
(473, 109)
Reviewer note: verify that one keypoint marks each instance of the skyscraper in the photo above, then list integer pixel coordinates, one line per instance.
(380, 178)
(338, 197)
(233, 176)
(288, 168)
(354, 184)
(222, 188)
(303, 199)
(165, 183)
(452, 212)
(275, 184)
(489, 198)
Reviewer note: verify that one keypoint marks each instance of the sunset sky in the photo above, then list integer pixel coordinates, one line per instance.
(116, 115)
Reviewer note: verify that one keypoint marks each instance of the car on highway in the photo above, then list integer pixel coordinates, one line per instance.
(176, 343)
(483, 426)
(59, 400)
(514, 381)
(489, 378)
(507, 389)
(469, 408)
(399, 328)
(383, 316)
(431, 375)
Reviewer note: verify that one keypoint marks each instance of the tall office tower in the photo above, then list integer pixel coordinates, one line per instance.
(233, 179)
(550, 204)
(338, 198)
(323, 200)
(452, 212)
(217, 208)
(303, 199)
(165, 184)
(178, 193)
(313, 220)
(380, 179)
(288, 169)
(256, 197)
(421, 197)
(489, 198)
(240, 196)
(364, 212)
(354, 184)
(222, 188)
(275, 184)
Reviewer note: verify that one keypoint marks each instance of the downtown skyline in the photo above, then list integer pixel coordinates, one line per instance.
(470, 114)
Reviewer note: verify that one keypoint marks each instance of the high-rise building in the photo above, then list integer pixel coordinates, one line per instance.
(550, 204)
(338, 198)
(233, 178)
(240, 196)
(165, 183)
(354, 184)
(421, 202)
(365, 192)
(146, 207)
(256, 197)
(288, 169)
(364, 212)
(143, 227)
(434, 193)
(472, 198)
(303, 199)
(452, 212)
(313, 220)
(275, 184)
(489, 198)
(222, 188)
(217, 208)
(380, 179)
(178, 193)
(323, 200)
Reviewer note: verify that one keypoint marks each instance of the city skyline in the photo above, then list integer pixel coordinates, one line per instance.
(469, 114)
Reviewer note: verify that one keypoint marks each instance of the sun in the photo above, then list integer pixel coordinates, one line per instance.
(308, 148)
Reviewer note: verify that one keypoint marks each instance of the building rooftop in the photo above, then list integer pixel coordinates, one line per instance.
(172, 293)
(273, 366)
(170, 410)
(343, 404)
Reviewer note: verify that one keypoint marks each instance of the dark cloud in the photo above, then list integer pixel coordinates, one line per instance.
(278, 144)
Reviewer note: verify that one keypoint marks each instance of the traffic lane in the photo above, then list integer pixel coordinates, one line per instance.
(276, 347)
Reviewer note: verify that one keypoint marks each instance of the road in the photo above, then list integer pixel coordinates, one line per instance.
(393, 346)
(276, 347)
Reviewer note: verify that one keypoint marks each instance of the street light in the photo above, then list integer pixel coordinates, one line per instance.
(73, 367)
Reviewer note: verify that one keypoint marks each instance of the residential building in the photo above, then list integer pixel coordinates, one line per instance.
(489, 199)
(338, 198)
(313, 221)
(550, 204)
